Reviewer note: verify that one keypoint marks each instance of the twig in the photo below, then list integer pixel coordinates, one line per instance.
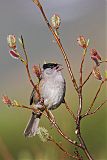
(78, 122)
(80, 87)
(98, 108)
(61, 148)
(51, 120)
(62, 134)
(59, 44)
(87, 79)
(81, 66)
(27, 68)
(27, 65)
(91, 74)
(96, 95)
(103, 61)
(83, 144)
(69, 110)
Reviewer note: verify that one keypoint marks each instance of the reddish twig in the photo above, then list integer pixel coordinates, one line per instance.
(87, 78)
(27, 68)
(80, 87)
(51, 120)
(62, 149)
(62, 134)
(96, 95)
(103, 61)
(59, 44)
(97, 109)
(69, 110)
(27, 65)
(78, 121)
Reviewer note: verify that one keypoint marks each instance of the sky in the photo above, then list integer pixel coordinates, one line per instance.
(78, 17)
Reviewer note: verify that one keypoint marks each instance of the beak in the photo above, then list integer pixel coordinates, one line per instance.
(59, 67)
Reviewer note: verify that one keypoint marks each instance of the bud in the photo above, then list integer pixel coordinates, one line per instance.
(95, 53)
(15, 103)
(6, 100)
(11, 40)
(36, 2)
(76, 131)
(55, 21)
(37, 71)
(43, 134)
(14, 54)
(82, 42)
(96, 73)
(95, 56)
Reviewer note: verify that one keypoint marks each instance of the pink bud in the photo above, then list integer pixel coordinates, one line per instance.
(14, 54)
(6, 100)
(95, 53)
(95, 56)
(37, 71)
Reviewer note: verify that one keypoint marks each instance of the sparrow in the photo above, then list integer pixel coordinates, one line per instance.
(52, 89)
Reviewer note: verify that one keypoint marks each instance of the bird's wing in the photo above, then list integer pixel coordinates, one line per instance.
(34, 98)
(63, 101)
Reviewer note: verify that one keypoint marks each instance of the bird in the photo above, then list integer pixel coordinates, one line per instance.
(52, 88)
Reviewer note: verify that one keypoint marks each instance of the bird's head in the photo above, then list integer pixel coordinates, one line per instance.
(52, 69)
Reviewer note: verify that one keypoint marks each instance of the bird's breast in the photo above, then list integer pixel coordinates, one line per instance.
(53, 92)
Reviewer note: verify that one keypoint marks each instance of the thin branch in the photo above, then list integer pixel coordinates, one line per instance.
(87, 78)
(80, 88)
(69, 110)
(27, 65)
(81, 66)
(103, 61)
(78, 121)
(59, 44)
(62, 134)
(96, 95)
(97, 109)
(51, 120)
(27, 68)
(83, 144)
(62, 149)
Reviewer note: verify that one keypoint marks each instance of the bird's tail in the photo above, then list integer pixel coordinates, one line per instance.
(32, 126)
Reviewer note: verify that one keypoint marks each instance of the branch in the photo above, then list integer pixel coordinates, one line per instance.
(97, 109)
(78, 121)
(103, 61)
(27, 68)
(91, 74)
(80, 88)
(87, 78)
(62, 134)
(62, 149)
(69, 110)
(14, 103)
(59, 44)
(98, 91)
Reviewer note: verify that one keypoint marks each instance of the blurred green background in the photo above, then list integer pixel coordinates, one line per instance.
(79, 17)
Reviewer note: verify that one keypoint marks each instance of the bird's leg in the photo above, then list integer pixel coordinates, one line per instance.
(49, 113)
